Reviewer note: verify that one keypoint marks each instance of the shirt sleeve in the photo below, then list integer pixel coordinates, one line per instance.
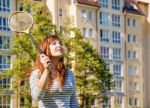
(73, 99)
(36, 93)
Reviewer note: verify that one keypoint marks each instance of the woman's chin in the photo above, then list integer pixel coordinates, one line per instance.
(59, 56)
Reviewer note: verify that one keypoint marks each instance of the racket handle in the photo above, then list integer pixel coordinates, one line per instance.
(48, 62)
(35, 44)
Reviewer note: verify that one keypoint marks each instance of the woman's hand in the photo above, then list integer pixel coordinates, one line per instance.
(45, 61)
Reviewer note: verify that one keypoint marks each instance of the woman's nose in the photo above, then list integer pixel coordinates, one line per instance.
(59, 45)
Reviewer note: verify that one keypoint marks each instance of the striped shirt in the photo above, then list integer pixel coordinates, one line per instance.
(55, 97)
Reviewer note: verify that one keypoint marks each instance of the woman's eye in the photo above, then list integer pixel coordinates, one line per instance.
(54, 43)
(61, 43)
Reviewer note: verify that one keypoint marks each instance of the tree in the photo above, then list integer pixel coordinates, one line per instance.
(93, 79)
(24, 52)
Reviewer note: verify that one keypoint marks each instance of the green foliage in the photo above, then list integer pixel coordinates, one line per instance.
(93, 80)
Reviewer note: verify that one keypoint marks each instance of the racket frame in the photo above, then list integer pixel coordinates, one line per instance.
(27, 31)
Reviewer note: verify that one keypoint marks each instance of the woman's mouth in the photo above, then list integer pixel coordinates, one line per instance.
(60, 50)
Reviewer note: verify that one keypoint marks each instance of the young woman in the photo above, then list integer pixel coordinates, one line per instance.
(51, 84)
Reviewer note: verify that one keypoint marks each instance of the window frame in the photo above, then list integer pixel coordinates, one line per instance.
(5, 6)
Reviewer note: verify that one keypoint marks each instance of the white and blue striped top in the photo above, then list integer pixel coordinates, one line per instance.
(55, 97)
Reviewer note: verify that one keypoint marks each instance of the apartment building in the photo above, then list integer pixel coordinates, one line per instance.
(6, 7)
(145, 7)
(134, 39)
(83, 14)
(111, 47)
(116, 30)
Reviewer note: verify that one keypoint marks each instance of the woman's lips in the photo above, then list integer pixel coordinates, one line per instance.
(60, 50)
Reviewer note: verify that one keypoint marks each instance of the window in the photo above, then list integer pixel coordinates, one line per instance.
(88, 32)
(5, 5)
(91, 34)
(129, 55)
(116, 4)
(84, 32)
(60, 12)
(22, 101)
(106, 104)
(132, 70)
(130, 101)
(83, 11)
(4, 42)
(107, 66)
(5, 62)
(4, 82)
(132, 38)
(133, 101)
(104, 35)
(20, 6)
(129, 21)
(93, 101)
(136, 102)
(104, 3)
(116, 20)
(132, 54)
(118, 100)
(117, 70)
(118, 85)
(4, 24)
(116, 53)
(105, 52)
(116, 37)
(132, 22)
(83, 15)
(90, 15)
(22, 83)
(104, 18)
(87, 15)
(129, 38)
(5, 101)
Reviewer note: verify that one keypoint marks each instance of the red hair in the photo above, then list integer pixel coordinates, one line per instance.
(46, 50)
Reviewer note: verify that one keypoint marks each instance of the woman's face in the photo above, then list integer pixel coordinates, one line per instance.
(56, 48)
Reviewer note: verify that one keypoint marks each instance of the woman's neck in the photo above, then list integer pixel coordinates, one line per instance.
(54, 61)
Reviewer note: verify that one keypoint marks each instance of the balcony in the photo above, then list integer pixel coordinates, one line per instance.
(111, 58)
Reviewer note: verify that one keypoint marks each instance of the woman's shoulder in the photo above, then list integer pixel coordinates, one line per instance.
(70, 73)
(35, 72)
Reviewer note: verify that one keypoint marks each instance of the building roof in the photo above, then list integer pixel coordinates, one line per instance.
(132, 7)
(88, 2)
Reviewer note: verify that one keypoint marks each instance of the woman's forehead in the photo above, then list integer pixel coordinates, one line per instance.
(56, 40)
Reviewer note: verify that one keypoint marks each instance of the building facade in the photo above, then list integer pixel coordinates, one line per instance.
(118, 29)
(145, 7)
(6, 7)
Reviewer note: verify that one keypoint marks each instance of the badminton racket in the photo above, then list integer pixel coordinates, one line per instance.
(22, 22)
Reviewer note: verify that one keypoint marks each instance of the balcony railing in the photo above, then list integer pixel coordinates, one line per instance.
(112, 58)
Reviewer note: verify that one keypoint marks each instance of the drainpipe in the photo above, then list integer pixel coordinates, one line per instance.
(125, 61)
(97, 49)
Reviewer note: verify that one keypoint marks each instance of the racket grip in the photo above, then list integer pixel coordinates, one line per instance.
(48, 62)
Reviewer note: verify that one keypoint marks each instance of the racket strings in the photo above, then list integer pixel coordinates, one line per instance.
(20, 22)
